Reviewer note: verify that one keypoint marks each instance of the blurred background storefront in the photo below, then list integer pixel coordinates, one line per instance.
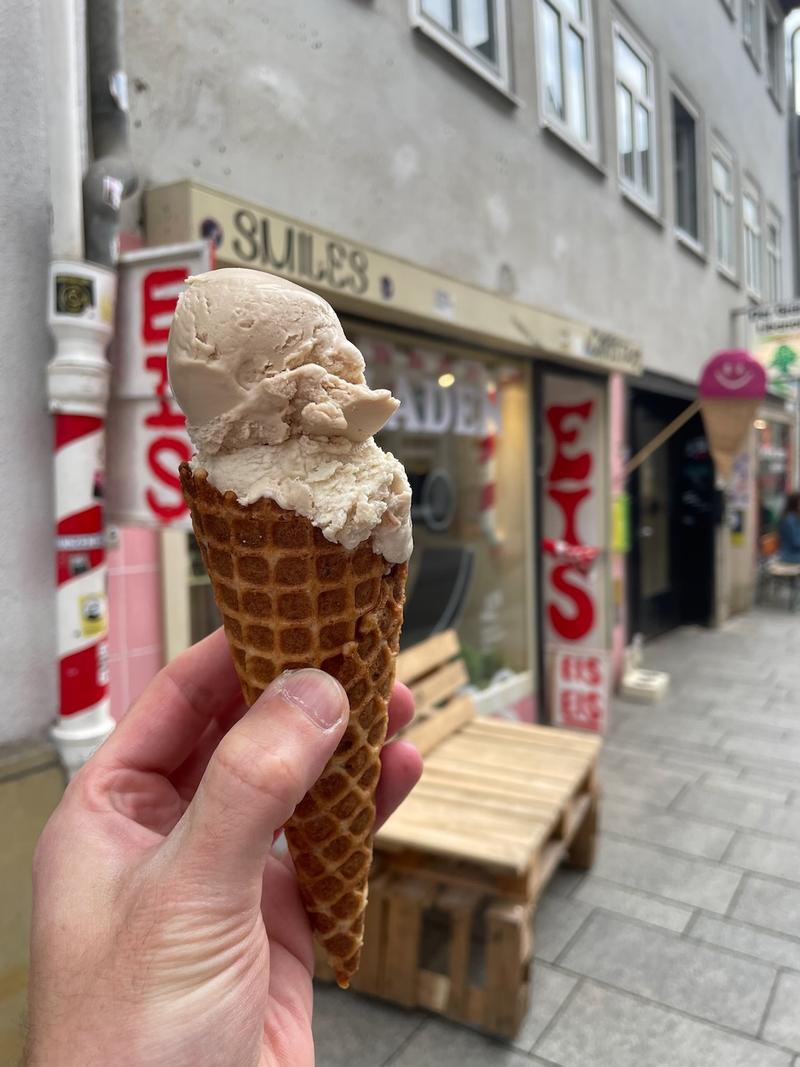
(509, 426)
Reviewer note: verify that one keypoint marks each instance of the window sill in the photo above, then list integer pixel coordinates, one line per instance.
(729, 10)
(691, 244)
(730, 276)
(497, 81)
(562, 134)
(752, 295)
(648, 209)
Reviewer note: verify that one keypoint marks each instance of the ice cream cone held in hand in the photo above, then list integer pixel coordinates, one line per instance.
(304, 526)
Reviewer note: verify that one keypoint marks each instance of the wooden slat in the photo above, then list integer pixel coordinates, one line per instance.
(430, 733)
(582, 848)
(433, 991)
(426, 656)
(457, 762)
(479, 797)
(523, 731)
(509, 749)
(443, 683)
(504, 952)
(536, 786)
(499, 855)
(460, 905)
(573, 769)
(455, 816)
(367, 978)
(406, 898)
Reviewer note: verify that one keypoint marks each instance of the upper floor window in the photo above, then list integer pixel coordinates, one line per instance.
(774, 52)
(475, 30)
(636, 117)
(751, 19)
(566, 69)
(722, 186)
(774, 286)
(751, 219)
(685, 155)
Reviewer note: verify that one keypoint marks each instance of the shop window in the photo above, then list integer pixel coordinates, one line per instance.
(636, 118)
(751, 220)
(722, 186)
(462, 433)
(474, 30)
(751, 17)
(774, 470)
(773, 249)
(566, 70)
(685, 154)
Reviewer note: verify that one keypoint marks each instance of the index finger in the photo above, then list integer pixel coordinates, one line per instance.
(162, 728)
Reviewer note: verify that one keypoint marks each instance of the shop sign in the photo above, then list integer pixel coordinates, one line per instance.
(147, 437)
(574, 509)
(465, 405)
(580, 689)
(361, 279)
(775, 339)
(574, 520)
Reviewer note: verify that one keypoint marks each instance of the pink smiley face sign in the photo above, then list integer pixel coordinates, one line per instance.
(733, 375)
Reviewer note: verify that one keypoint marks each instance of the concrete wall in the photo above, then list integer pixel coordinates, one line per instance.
(27, 592)
(339, 113)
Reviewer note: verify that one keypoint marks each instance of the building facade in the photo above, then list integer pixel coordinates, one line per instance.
(562, 189)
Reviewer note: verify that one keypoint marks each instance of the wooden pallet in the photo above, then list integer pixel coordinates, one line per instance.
(462, 863)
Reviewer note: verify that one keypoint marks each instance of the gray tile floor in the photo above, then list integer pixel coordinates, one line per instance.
(682, 947)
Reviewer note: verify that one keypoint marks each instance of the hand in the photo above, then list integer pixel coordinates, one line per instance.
(165, 930)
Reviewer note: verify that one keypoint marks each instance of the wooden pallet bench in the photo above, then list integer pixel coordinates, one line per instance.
(461, 864)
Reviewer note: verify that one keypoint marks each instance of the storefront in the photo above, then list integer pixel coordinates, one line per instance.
(775, 466)
(481, 412)
(674, 510)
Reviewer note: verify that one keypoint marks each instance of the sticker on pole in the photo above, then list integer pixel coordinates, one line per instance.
(580, 688)
(93, 614)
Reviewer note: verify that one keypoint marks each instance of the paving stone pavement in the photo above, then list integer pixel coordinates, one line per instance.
(681, 948)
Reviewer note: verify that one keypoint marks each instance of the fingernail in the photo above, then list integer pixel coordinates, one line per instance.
(317, 694)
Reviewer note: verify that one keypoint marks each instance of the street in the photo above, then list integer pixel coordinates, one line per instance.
(682, 947)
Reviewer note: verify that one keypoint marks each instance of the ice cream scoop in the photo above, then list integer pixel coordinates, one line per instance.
(255, 359)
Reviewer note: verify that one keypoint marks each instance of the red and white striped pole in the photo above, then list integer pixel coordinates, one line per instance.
(81, 315)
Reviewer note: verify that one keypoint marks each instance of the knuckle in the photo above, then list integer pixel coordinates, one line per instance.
(263, 771)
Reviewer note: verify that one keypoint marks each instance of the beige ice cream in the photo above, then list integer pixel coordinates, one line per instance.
(277, 406)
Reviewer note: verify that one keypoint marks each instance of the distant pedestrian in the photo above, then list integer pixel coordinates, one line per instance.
(789, 531)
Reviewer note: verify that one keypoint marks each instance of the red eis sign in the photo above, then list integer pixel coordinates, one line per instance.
(574, 535)
(147, 432)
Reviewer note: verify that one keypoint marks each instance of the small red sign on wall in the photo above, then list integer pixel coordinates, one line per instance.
(580, 689)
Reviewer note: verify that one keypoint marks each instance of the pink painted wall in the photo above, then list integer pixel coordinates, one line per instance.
(136, 650)
(617, 452)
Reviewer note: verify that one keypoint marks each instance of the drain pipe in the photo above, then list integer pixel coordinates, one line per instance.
(81, 299)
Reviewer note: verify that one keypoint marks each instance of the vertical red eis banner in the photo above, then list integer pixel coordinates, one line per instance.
(574, 517)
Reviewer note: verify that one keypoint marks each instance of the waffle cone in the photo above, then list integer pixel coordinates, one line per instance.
(290, 599)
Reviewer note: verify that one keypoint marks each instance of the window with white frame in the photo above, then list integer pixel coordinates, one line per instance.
(751, 220)
(566, 69)
(723, 210)
(636, 117)
(751, 18)
(774, 50)
(475, 30)
(773, 249)
(684, 160)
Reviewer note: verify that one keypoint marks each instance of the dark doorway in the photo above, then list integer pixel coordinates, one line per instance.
(671, 565)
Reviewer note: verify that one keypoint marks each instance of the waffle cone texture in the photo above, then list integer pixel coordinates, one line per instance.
(289, 599)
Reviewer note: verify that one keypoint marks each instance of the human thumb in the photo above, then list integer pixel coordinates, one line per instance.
(260, 771)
